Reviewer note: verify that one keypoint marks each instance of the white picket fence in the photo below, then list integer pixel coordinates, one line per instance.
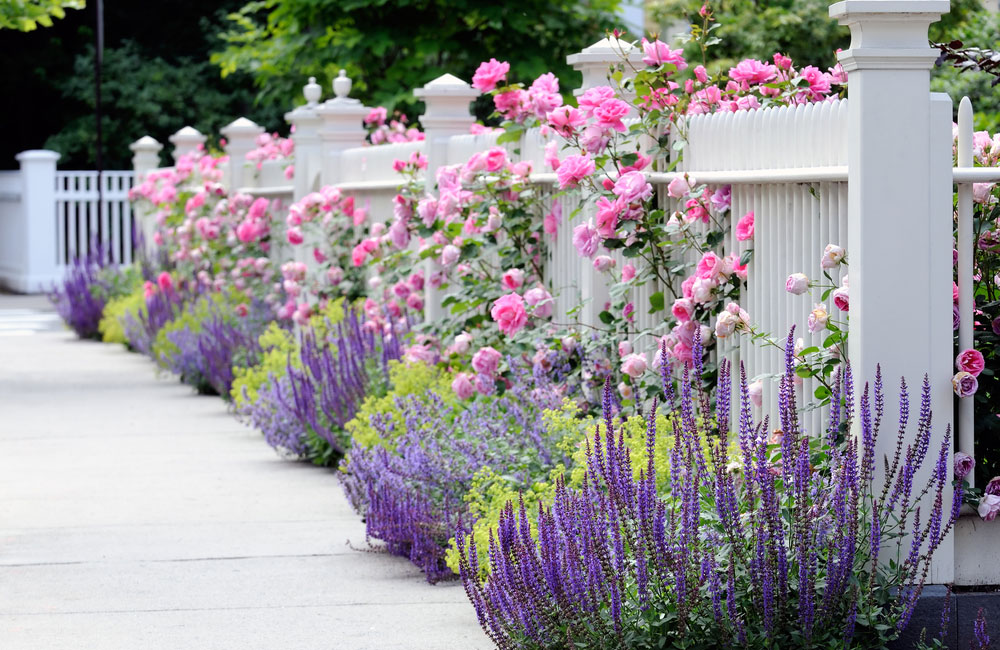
(48, 217)
(872, 174)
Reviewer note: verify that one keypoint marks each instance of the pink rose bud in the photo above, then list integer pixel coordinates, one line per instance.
(993, 487)
(841, 299)
(832, 256)
(604, 263)
(797, 283)
(964, 384)
(513, 279)
(628, 272)
(624, 348)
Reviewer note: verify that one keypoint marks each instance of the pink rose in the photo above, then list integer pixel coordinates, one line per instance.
(963, 464)
(756, 391)
(607, 217)
(485, 384)
(449, 255)
(683, 309)
(628, 272)
(701, 74)
(818, 318)
(564, 121)
(970, 361)
(540, 300)
(989, 507)
(752, 71)
(833, 255)
(488, 74)
(993, 487)
(485, 361)
(165, 282)
(415, 302)
(420, 352)
(295, 236)
(574, 169)
(625, 390)
(965, 384)
(797, 283)
(610, 113)
(604, 263)
(841, 299)
(586, 239)
(462, 343)
(496, 159)
(513, 279)
(552, 155)
(463, 386)
(632, 187)
(634, 365)
(508, 312)
(657, 53)
(679, 187)
(744, 229)
(550, 223)
(624, 348)
(710, 266)
(682, 352)
(593, 98)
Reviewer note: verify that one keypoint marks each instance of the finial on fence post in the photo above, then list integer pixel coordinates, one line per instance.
(241, 138)
(446, 114)
(899, 191)
(185, 141)
(595, 61)
(341, 128)
(145, 156)
(306, 123)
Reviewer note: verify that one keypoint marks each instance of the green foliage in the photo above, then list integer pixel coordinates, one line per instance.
(801, 29)
(125, 297)
(404, 379)
(390, 48)
(27, 15)
(147, 95)
(982, 29)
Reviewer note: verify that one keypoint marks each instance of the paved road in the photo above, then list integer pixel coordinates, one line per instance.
(136, 515)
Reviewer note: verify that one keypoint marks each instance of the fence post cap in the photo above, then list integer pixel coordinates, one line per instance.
(145, 143)
(312, 91)
(447, 85)
(607, 50)
(888, 34)
(186, 133)
(241, 126)
(38, 155)
(900, 8)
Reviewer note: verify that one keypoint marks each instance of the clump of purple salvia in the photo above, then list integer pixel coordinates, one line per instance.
(83, 293)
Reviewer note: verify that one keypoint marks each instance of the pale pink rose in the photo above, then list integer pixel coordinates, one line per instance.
(335, 275)
(702, 290)
(550, 223)
(744, 229)
(509, 314)
(399, 234)
(462, 344)
(420, 353)
(797, 283)
(657, 53)
(680, 187)
(488, 74)
(963, 464)
(818, 318)
(593, 98)
(841, 299)
(610, 113)
(625, 390)
(756, 391)
(634, 365)
(970, 361)
(683, 309)
(710, 266)
(628, 272)
(725, 324)
(964, 384)
(594, 139)
(682, 352)
(632, 187)
(449, 255)
(833, 255)
(512, 279)
(624, 348)
(574, 169)
(604, 263)
(586, 239)
(496, 159)
(540, 300)
(463, 386)
(981, 192)
(486, 360)
(485, 384)
(993, 487)
(989, 507)
(752, 71)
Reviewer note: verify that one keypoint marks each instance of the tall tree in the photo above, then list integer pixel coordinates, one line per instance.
(28, 15)
(392, 47)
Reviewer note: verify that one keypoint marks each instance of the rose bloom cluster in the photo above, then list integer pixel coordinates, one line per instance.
(271, 146)
(382, 130)
(989, 503)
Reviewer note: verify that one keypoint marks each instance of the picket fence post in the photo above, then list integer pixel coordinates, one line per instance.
(899, 218)
(446, 114)
(241, 138)
(187, 140)
(145, 158)
(308, 151)
(341, 128)
(39, 269)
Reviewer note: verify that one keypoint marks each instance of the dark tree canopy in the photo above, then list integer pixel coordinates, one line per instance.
(391, 47)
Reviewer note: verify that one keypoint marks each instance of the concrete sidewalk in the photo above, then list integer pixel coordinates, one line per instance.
(136, 515)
